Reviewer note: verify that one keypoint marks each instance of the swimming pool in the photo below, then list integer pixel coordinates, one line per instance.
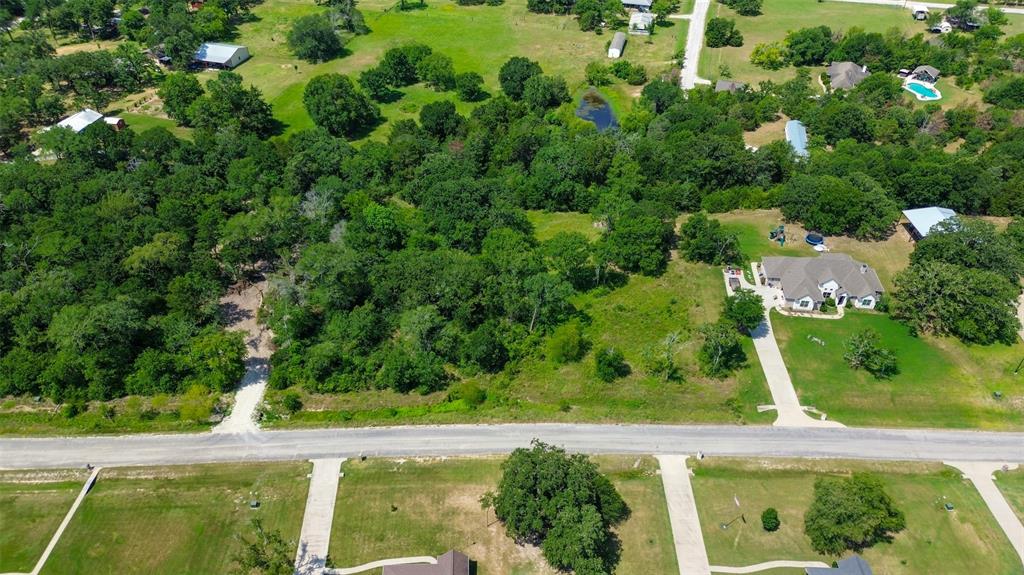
(923, 92)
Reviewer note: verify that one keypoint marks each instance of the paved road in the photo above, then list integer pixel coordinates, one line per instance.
(691, 555)
(726, 440)
(942, 6)
(315, 536)
(694, 43)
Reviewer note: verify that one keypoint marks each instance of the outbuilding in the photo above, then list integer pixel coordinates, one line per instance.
(617, 45)
(921, 221)
(729, 86)
(81, 120)
(217, 55)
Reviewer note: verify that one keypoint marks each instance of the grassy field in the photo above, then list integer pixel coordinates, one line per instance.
(887, 257)
(630, 318)
(1011, 483)
(943, 383)
(965, 540)
(177, 520)
(782, 16)
(389, 508)
(477, 38)
(547, 224)
(32, 505)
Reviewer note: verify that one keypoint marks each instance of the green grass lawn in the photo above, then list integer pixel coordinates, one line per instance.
(32, 505)
(783, 16)
(966, 540)
(943, 383)
(389, 508)
(178, 520)
(477, 38)
(548, 224)
(1011, 483)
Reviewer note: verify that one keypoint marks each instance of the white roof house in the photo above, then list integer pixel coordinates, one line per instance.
(81, 120)
(641, 5)
(617, 45)
(922, 220)
(641, 23)
(221, 55)
(796, 135)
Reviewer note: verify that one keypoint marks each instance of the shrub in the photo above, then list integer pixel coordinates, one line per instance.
(633, 74)
(722, 32)
(469, 392)
(770, 520)
(770, 56)
(566, 344)
(610, 364)
(291, 401)
(864, 352)
(597, 74)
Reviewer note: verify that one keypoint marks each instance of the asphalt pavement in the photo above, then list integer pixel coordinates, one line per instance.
(724, 440)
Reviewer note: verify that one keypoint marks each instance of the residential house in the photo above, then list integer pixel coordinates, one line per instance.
(451, 563)
(641, 23)
(617, 45)
(921, 221)
(807, 282)
(729, 86)
(855, 565)
(928, 74)
(846, 75)
(638, 5)
(796, 135)
(79, 121)
(217, 55)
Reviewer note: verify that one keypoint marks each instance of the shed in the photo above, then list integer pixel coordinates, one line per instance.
(729, 86)
(796, 135)
(846, 75)
(929, 74)
(641, 23)
(80, 120)
(617, 45)
(921, 221)
(217, 55)
(639, 5)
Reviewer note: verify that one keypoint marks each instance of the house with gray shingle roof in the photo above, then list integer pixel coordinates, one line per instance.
(807, 282)
(846, 75)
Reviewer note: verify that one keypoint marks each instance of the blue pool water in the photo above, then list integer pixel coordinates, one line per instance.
(923, 91)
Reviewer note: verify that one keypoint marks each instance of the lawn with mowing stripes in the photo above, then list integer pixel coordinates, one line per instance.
(942, 382)
(32, 505)
(176, 520)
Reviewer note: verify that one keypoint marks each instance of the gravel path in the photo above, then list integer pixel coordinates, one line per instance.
(241, 308)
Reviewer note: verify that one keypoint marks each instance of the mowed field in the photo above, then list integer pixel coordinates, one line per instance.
(1011, 484)
(175, 520)
(942, 382)
(398, 508)
(478, 38)
(780, 17)
(631, 318)
(32, 505)
(965, 540)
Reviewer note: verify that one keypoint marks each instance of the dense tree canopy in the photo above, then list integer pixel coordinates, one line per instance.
(562, 503)
(851, 514)
(338, 106)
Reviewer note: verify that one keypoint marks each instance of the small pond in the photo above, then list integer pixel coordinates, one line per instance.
(596, 110)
